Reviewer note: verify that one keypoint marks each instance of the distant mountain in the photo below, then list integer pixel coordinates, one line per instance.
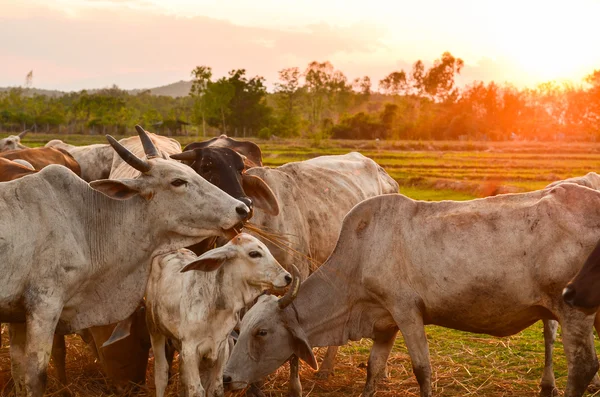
(179, 89)
(37, 91)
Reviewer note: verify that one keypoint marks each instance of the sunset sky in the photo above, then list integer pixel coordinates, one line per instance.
(76, 44)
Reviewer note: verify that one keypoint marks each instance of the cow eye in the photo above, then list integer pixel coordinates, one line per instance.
(178, 182)
(261, 332)
(255, 254)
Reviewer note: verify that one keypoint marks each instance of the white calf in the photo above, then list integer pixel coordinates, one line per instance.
(198, 310)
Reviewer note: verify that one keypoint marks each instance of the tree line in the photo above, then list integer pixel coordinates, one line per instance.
(320, 102)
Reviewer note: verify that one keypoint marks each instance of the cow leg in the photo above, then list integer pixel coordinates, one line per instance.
(41, 325)
(161, 364)
(578, 340)
(295, 388)
(170, 355)
(59, 355)
(18, 335)
(376, 369)
(595, 383)
(412, 328)
(213, 382)
(326, 368)
(189, 370)
(548, 385)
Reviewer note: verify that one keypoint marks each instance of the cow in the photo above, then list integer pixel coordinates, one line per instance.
(225, 168)
(10, 170)
(548, 384)
(88, 258)
(43, 157)
(12, 142)
(124, 360)
(494, 265)
(198, 309)
(591, 180)
(249, 150)
(95, 160)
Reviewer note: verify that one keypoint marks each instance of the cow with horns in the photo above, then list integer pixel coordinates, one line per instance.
(88, 263)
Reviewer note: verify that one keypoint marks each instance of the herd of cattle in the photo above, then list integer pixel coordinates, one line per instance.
(93, 243)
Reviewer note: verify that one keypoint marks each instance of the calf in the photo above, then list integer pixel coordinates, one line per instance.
(198, 310)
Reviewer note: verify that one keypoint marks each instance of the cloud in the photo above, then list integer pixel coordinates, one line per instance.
(101, 46)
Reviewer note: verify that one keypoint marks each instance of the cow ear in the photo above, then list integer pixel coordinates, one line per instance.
(302, 348)
(211, 260)
(121, 331)
(117, 189)
(261, 194)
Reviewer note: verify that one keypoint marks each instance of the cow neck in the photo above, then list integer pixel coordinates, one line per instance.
(324, 304)
(119, 231)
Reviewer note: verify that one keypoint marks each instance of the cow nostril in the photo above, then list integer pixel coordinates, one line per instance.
(569, 295)
(247, 201)
(242, 210)
(226, 379)
(288, 278)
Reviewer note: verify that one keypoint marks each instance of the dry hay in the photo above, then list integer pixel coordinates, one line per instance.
(462, 364)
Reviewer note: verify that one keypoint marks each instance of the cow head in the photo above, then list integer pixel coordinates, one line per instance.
(225, 168)
(269, 335)
(12, 142)
(250, 150)
(179, 200)
(583, 291)
(251, 259)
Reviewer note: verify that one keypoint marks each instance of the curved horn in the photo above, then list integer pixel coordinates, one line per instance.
(188, 155)
(289, 296)
(149, 147)
(22, 134)
(127, 156)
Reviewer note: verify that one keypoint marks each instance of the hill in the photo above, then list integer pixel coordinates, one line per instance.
(178, 89)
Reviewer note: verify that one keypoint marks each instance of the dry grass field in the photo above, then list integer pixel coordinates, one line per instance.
(463, 364)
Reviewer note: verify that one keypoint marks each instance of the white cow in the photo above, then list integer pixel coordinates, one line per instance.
(314, 196)
(12, 142)
(74, 255)
(495, 266)
(95, 160)
(198, 309)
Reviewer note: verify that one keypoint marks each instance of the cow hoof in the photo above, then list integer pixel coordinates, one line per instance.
(550, 391)
(323, 374)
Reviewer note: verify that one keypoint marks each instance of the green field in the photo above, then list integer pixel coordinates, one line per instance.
(463, 364)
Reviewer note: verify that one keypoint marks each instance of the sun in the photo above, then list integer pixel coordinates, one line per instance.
(548, 41)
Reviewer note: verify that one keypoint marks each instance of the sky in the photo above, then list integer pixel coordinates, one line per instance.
(77, 44)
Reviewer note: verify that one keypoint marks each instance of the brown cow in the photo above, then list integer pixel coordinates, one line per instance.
(10, 170)
(44, 156)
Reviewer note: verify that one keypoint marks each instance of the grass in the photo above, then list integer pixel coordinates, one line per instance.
(463, 364)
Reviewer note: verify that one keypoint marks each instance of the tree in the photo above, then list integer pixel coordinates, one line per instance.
(218, 97)
(394, 83)
(202, 76)
(248, 108)
(288, 93)
(438, 82)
